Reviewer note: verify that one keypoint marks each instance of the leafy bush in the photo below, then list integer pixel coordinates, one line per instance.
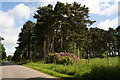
(52, 58)
(65, 60)
(103, 55)
(61, 58)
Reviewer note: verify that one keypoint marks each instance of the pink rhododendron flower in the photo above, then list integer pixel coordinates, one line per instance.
(71, 55)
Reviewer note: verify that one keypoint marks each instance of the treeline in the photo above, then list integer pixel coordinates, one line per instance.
(3, 55)
(64, 28)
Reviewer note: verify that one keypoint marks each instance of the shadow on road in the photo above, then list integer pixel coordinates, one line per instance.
(30, 78)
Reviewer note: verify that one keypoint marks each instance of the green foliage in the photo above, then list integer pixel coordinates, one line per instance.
(9, 58)
(59, 28)
(48, 71)
(96, 69)
(65, 60)
(104, 73)
(118, 39)
(2, 51)
(71, 47)
(56, 58)
(52, 58)
(64, 27)
(26, 43)
(103, 55)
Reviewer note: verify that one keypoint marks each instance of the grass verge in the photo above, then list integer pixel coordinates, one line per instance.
(54, 73)
(97, 69)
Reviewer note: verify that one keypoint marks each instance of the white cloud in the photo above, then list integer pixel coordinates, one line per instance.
(118, 20)
(69, 1)
(21, 11)
(64, 1)
(8, 22)
(7, 19)
(10, 35)
(102, 7)
(10, 51)
(108, 24)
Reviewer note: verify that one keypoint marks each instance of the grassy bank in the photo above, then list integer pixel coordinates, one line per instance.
(94, 69)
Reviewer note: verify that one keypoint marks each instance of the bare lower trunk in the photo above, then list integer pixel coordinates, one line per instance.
(61, 42)
(44, 49)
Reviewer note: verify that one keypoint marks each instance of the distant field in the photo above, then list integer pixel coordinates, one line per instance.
(94, 69)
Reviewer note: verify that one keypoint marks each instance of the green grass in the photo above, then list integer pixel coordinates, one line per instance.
(51, 72)
(97, 68)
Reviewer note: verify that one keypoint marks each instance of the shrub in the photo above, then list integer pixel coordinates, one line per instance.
(65, 60)
(103, 55)
(61, 58)
(52, 58)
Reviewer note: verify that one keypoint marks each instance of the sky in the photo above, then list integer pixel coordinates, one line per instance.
(14, 13)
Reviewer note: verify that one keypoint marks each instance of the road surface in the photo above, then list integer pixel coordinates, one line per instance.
(11, 71)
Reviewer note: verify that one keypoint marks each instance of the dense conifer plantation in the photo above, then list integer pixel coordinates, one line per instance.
(64, 28)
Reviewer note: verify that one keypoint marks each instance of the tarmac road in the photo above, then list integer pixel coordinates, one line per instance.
(11, 71)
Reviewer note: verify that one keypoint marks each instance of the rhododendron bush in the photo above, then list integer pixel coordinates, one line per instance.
(61, 58)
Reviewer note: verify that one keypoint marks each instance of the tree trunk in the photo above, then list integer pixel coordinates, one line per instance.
(78, 52)
(52, 45)
(118, 51)
(61, 43)
(44, 50)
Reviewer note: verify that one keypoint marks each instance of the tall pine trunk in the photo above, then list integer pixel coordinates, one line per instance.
(44, 49)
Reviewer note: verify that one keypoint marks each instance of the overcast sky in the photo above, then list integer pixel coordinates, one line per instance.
(14, 13)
